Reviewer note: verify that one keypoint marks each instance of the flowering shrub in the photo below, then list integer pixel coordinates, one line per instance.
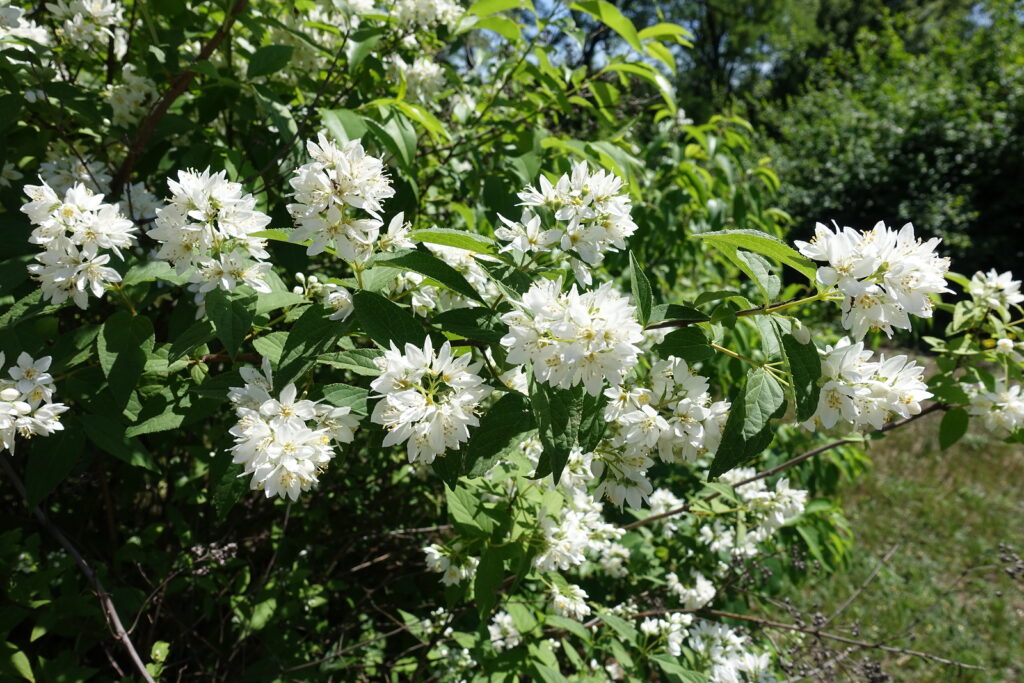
(328, 408)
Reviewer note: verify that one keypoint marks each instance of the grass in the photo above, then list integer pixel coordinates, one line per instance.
(946, 512)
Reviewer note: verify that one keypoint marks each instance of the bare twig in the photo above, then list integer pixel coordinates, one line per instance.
(768, 623)
(784, 466)
(109, 610)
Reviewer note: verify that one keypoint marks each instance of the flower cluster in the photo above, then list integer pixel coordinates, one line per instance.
(672, 629)
(726, 653)
(333, 296)
(336, 178)
(426, 297)
(694, 595)
(578, 529)
(454, 565)
(593, 214)
(574, 338)
(570, 601)
(26, 401)
(75, 231)
(884, 275)
(127, 98)
(503, 632)
(673, 418)
(858, 392)
(427, 13)
(424, 78)
(15, 27)
(995, 290)
(428, 399)
(765, 511)
(208, 226)
(85, 22)
(1001, 407)
(284, 443)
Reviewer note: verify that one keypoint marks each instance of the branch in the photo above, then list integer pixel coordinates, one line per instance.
(159, 110)
(768, 623)
(109, 611)
(785, 466)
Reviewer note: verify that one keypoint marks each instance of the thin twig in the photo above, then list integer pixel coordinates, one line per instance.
(109, 611)
(159, 109)
(768, 623)
(784, 466)
(860, 589)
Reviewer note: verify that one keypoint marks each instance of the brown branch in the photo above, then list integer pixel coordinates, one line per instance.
(109, 610)
(768, 623)
(159, 109)
(785, 466)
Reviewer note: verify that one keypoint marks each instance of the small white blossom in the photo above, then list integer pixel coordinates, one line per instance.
(428, 400)
(995, 290)
(1001, 409)
(570, 602)
(503, 632)
(26, 401)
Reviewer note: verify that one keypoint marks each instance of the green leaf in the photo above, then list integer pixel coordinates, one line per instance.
(361, 45)
(625, 630)
(953, 426)
(664, 312)
(758, 268)
(481, 324)
(153, 270)
(271, 346)
(343, 124)
(196, 335)
(489, 575)
(111, 438)
(311, 335)
(748, 431)
(500, 429)
(425, 263)
(609, 15)
(265, 303)
(347, 396)
(675, 672)
(456, 238)
(563, 416)
(641, 287)
(51, 460)
(805, 367)
(467, 514)
(571, 625)
(764, 244)
(269, 59)
(123, 345)
(689, 343)
(359, 361)
(231, 316)
(485, 8)
(385, 322)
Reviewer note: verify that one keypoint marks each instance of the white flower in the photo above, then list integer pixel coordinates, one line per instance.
(593, 213)
(503, 632)
(884, 275)
(208, 226)
(86, 22)
(428, 400)
(26, 401)
(128, 98)
(424, 78)
(450, 563)
(338, 300)
(694, 596)
(857, 392)
(574, 338)
(1000, 409)
(427, 13)
(570, 602)
(285, 443)
(577, 529)
(74, 231)
(995, 290)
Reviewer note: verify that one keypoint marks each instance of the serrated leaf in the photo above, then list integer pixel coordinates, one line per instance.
(500, 428)
(664, 312)
(111, 437)
(953, 426)
(558, 413)
(343, 124)
(269, 59)
(311, 335)
(489, 575)
(764, 244)
(231, 316)
(123, 346)
(347, 396)
(641, 288)
(748, 430)
(805, 367)
(466, 512)
(427, 264)
(271, 346)
(758, 268)
(196, 335)
(762, 397)
(480, 324)
(689, 343)
(625, 630)
(385, 322)
(359, 361)
(456, 238)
